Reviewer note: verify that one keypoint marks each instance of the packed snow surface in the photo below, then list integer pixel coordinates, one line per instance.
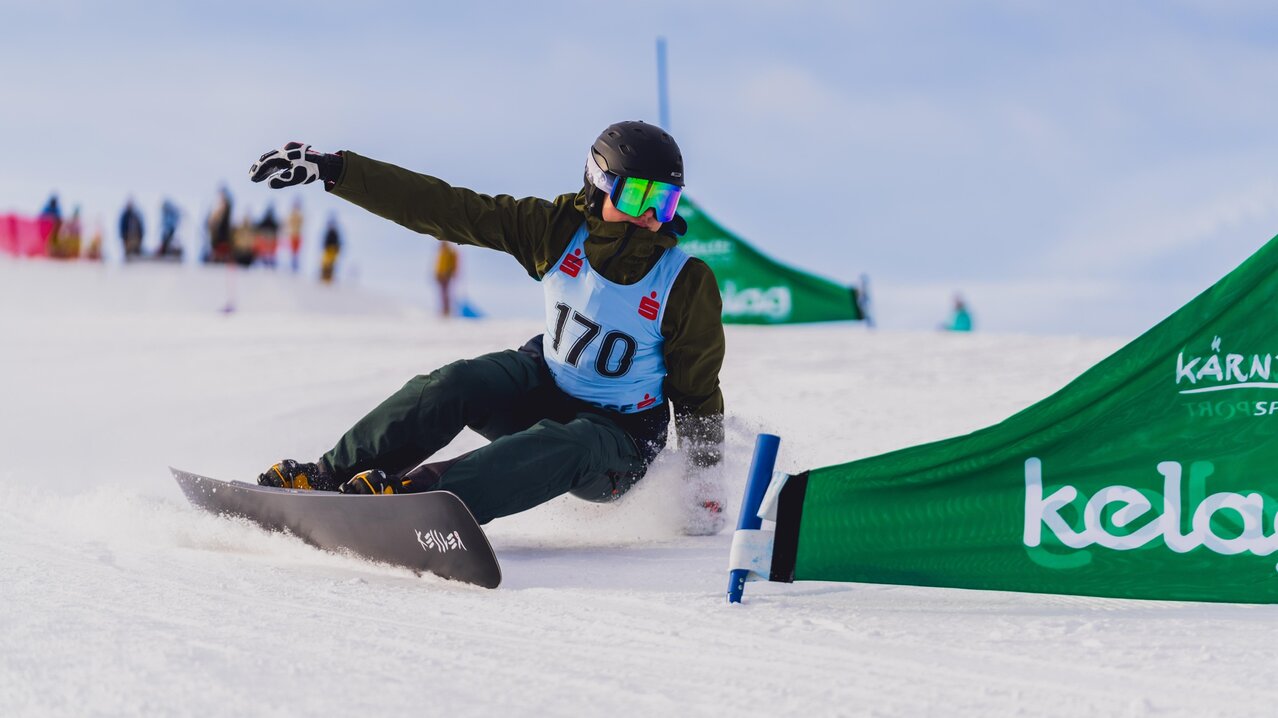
(120, 599)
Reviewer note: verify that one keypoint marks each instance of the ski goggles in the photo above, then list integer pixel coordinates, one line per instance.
(635, 195)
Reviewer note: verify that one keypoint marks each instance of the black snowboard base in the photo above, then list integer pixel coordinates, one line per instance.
(432, 532)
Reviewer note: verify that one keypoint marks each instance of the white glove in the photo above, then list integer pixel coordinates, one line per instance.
(290, 165)
(704, 502)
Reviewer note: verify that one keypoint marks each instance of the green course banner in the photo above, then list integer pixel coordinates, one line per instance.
(756, 289)
(1152, 475)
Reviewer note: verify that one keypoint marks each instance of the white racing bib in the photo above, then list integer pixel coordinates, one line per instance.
(603, 340)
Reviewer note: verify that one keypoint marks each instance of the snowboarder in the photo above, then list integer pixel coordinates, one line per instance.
(633, 329)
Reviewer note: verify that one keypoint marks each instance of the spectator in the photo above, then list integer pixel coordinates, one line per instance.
(219, 228)
(170, 215)
(66, 242)
(51, 221)
(267, 239)
(131, 230)
(332, 246)
(961, 318)
(445, 270)
(243, 242)
(94, 250)
(51, 208)
(295, 234)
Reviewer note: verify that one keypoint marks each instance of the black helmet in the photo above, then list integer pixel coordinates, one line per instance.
(636, 149)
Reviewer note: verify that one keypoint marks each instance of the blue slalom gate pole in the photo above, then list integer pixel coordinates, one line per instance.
(761, 466)
(663, 91)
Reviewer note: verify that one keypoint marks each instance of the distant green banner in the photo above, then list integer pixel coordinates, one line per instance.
(759, 290)
(1152, 475)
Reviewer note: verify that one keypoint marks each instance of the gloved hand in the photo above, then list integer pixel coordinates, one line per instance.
(704, 502)
(290, 165)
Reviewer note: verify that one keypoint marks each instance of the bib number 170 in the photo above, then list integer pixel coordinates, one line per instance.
(614, 342)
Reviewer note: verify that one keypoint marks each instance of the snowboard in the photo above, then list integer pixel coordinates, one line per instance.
(432, 531)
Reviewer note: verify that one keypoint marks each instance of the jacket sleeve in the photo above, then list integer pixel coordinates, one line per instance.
(425, 204)
(694, 348)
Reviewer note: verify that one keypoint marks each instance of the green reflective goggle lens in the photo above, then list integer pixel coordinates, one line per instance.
(635, 196)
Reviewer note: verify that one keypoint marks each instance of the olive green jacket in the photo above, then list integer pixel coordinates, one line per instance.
(536, 232)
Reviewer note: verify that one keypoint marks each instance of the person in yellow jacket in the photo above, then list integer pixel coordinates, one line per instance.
(445, 270)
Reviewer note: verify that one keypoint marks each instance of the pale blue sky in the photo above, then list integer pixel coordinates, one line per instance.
(1081, 167)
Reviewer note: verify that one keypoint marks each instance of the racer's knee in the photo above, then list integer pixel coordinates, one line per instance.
(473, 383)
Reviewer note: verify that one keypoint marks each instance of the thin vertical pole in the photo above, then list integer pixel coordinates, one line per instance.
(663, 89)
(761, 466)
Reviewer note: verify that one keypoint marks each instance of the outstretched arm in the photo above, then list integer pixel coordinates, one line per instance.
(425, 204)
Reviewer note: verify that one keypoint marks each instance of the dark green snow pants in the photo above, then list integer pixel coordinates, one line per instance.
(543, 443)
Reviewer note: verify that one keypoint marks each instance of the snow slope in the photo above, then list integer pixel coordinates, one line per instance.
(119, 599)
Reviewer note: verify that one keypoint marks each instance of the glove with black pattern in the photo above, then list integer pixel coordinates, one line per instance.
(291, 165)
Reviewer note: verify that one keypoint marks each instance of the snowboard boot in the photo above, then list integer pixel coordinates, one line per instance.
(288, 474)
(371, 482)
